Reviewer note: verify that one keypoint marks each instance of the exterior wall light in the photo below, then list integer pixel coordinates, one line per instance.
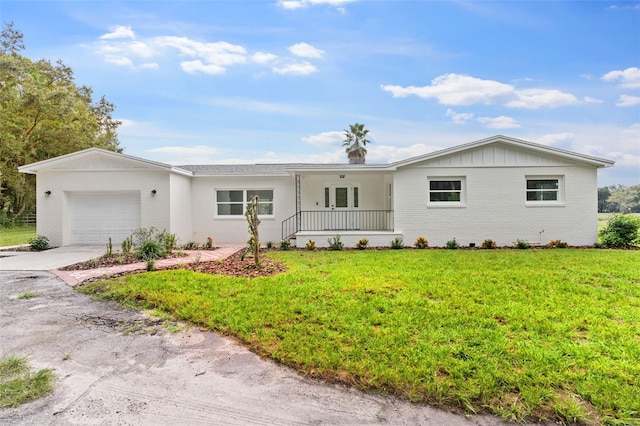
(153, 192)
(47, 193)
(341, 176)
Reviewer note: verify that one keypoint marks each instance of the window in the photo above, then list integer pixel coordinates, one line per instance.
(445, 191)
(543, 190)
(233, 202)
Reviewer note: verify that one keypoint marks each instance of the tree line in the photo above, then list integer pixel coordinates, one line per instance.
(43, 114)
(619, 199)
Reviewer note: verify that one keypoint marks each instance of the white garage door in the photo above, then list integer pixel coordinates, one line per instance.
(96, 216)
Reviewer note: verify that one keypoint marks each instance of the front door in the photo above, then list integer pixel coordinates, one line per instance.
(341, 201)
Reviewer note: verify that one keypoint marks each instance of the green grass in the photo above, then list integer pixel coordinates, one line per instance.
(28, 295)
(16, 235)
(19, 385)
(548, 335)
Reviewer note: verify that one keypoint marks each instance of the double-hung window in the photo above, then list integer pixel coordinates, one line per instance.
(233, 202)
(446, 191)
(544, 189)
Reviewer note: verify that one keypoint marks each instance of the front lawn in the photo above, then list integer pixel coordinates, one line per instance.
(16, 235)
(524, 334)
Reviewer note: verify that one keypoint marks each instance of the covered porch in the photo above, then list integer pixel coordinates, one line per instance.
(352, 200)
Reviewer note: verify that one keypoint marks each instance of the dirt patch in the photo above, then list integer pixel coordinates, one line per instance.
(237, 266)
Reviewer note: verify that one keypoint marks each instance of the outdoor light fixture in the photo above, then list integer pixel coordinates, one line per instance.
(47, 193)
(341, 176)
(153, 192)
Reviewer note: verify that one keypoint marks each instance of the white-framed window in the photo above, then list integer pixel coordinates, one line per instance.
(544, 189)
(446, 191)
(233, 202)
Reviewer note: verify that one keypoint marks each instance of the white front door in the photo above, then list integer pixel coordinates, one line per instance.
(340, 202)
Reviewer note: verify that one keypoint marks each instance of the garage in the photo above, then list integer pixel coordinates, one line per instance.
(96, 216)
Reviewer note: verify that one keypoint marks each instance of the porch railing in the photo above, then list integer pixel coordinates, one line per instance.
(337, 220)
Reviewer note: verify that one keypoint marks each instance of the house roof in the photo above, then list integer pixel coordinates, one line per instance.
(518, 143)
(286, 169)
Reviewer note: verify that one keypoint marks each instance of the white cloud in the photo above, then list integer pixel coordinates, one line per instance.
(150, 66)
(556, 138)
(501, 122)
(185, 150)
(302, 4)
(590, 100)
(263, 58)
(117, 32)
(119, 60)
(300, 68)
(390, 154)
(626, 100)
(459, 118)
(305, 50)
(626, 79)
(325, 139)
(193, 67)
(219, 53)
(457, 89)
(537, 98)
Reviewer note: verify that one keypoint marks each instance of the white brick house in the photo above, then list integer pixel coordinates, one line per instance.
(499, 188)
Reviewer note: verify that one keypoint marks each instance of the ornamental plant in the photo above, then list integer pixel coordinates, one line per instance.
(362, 244)
(620, 231)
(421, 243)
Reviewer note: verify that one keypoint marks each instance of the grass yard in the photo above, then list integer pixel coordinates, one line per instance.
(525, 334)
(17, 235)
(19, 385)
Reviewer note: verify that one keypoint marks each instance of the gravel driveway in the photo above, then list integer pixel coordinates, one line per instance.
(120, 367)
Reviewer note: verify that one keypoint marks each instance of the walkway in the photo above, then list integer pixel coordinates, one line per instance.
(74, 278)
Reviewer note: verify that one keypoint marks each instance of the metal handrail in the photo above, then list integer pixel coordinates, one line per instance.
(337, 220)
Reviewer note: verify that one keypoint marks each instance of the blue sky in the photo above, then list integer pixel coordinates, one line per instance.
(278, 81)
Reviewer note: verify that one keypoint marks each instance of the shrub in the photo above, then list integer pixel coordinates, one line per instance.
(126, 245)
(311, 245)
(269, 244)
(557, 244)
(170, 242)
(39, 243)
(191, 245)
(620, 231)
(397, 243)
(150, 264)
(335, 243)
(452, 245)
(285, 244)
(421, 243)
(145, 234)
(150, 250)
(209, 243)
(362, 244)
(488, 244)
(522, 244)
(109, 248)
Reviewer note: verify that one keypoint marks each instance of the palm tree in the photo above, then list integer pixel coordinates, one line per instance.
(355, 142)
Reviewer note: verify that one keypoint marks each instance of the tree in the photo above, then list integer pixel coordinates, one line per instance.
(43, 114)
(252, 219)
(627, 199)
(355, 142)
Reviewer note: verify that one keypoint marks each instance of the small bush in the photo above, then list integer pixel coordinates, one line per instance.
(191, 245)
(522, 244)
(421, 243)
(150, 264)
(150, 250)
(488, 244)
(557, 244)
(269, 245)
(335, 243)
(362, 244)
(109, 247)
(126, 245)
(39, 243)
(209, 243)
(620, 231)
(170, 242)
(285, 245)
(145, 234)
(452, 245)
(311, 245)
(397, 243)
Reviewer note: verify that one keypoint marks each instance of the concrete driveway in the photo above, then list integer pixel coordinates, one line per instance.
(117, 366)
(48, 259)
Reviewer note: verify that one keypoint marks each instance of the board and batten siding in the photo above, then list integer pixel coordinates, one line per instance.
(494, 205)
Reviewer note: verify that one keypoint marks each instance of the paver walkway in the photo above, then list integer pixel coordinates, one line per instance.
(74, 278)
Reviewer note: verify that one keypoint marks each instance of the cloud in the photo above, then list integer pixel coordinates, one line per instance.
(117, 32)
(119, 60)
(459, 118)
(501, 122)
(556, 138)
(303, 4)
(220, 53)
(458, 89)
(194, 67)
(305, 50)
(325, 139)
(263, 58)
(626, 79)
(150, 66)
(300, 68)
(185, 150)
(590, 100)
(390, 154)
(538, 98)
(626, 100)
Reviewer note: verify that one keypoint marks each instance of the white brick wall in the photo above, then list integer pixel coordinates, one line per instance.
(495, 206)
(181, 206)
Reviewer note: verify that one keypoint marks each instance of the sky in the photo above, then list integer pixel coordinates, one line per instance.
(277, 81)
